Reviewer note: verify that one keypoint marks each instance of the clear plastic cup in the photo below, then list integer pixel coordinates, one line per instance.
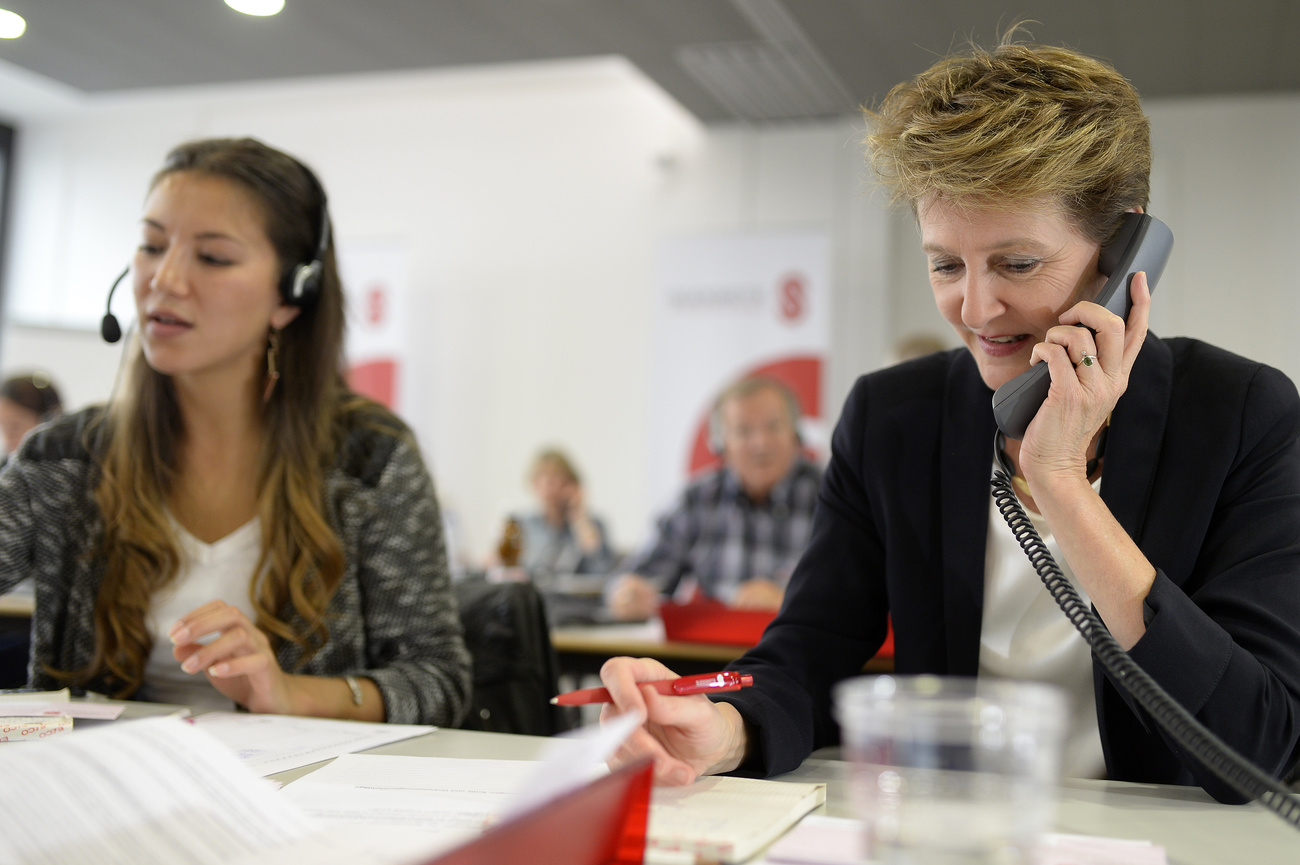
(952, 771)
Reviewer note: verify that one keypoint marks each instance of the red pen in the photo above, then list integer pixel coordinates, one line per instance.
(705, 683)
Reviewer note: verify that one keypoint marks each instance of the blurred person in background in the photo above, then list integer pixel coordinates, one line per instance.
(736, 533)
(26, 402)
(562, 537)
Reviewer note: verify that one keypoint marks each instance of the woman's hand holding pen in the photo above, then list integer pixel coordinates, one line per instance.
(686, 736)
(239, 662)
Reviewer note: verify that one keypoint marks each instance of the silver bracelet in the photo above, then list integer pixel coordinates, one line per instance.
(356, 689)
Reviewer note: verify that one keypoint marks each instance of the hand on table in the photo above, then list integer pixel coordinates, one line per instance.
(758, 594)
(633, 598)
(584, 530)
(239, 662)
(686, 736)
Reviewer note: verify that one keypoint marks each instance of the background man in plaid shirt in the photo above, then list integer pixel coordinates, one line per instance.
(736, 533)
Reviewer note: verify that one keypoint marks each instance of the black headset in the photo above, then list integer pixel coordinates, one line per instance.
(299, 286)
(302, 283)
(109, 329)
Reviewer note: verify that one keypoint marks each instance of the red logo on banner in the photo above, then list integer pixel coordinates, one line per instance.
(376, 379)
(793, 300)
(376, 303)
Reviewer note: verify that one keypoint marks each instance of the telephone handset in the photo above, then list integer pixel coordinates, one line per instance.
(1143, 244)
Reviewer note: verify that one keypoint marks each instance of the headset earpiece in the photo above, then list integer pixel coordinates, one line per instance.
(716, 444)
(302, 283)
(109, 329)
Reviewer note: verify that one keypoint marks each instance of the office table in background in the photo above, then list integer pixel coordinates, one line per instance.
(583, 648)
(17, 605)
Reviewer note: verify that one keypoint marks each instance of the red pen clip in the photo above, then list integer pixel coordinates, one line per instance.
(704, 683)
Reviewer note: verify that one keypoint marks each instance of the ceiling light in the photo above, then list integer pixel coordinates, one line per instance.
(11, 25)
(256, 7)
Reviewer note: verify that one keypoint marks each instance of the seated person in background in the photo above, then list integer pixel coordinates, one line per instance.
(737, 532)
(914, 346)
(1181, 525)
(26, 402)
(563, 538)
(235, 527)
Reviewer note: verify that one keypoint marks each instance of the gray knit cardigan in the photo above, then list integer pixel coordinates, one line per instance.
(393, 618)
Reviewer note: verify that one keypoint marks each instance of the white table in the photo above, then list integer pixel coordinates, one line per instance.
(1193, 828)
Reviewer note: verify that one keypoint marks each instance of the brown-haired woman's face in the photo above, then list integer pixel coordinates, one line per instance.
(553, 488)
(15, 422)
(206, 279)
(1002, 278)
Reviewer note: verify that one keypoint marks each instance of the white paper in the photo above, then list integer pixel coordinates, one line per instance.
(449, 800)
(92, 711)
(276, 743)
(822, 840)
(398, 805)
(140, 792)
(572, 760)
(23, 696)
(1093, 850)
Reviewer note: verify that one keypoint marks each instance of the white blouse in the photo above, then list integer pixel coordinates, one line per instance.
(221, 570)
(1024, 635)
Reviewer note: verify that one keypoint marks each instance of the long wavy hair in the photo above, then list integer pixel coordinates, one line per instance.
(301, 561)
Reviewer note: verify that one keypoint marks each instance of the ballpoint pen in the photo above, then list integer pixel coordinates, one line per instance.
(705, 683)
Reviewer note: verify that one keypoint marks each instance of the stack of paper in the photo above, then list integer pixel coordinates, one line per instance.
(163, 790)
(716, 819)
(268, 744)
(152, 791)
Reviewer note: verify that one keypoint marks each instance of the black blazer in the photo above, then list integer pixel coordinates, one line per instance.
(1202, 469)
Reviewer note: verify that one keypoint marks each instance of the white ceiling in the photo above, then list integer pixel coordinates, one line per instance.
(724, 60)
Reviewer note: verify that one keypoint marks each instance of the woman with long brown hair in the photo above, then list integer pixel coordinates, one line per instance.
(235, 527)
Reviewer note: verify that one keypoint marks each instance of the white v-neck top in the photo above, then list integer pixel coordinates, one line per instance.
(223, 570)
(1024, 635)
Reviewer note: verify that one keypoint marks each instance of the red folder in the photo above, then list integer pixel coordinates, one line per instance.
(603, 823)
(710, 621)
(706, 620)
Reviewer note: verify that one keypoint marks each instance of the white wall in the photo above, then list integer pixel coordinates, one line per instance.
(531, 198)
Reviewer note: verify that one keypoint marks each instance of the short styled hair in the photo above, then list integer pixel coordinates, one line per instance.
(1018, 123)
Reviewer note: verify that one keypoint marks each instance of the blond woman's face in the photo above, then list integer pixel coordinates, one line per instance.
(1002, 278)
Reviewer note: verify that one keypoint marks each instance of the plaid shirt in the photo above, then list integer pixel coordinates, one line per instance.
(717, 537)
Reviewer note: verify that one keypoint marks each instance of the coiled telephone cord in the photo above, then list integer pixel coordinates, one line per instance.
(1220, 758)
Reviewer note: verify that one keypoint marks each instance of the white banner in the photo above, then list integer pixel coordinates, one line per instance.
(376, 282)
(727, 307)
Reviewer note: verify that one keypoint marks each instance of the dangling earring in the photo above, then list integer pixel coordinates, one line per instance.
(272, 358)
